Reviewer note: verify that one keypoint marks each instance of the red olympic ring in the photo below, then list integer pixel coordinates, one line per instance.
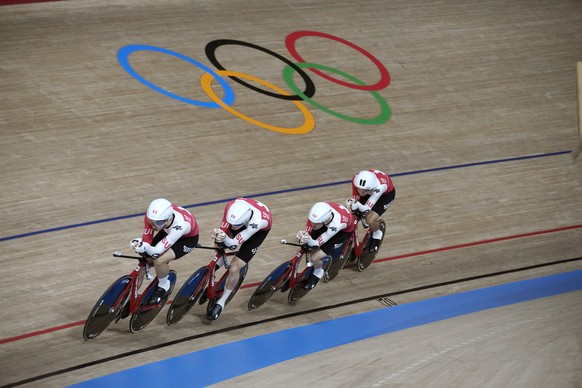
(384, 75)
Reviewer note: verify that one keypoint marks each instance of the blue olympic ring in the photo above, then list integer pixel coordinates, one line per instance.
(123, 58)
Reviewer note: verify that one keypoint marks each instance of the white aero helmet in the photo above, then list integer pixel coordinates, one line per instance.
(159, 212)
(365, 180)
(239, 213)
(320, 213)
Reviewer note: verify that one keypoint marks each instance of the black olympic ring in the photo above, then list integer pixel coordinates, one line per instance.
(210, 50)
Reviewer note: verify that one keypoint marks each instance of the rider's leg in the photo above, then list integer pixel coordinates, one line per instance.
(161, 264)
(373, 219)
(162, 271)
(246, 252)
(236, 265)
(316, 257)
(333, 248)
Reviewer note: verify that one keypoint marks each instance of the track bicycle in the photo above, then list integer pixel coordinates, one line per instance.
(359, 252)
(123, 298)
(286, 276)
(202, 286)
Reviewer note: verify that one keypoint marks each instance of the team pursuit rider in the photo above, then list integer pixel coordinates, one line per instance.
(372, 193)
(170, 232)
(245, 225)
(328, 227)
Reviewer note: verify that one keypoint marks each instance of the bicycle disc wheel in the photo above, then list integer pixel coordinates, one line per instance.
(298, 292)
(187, 296)
(336, 265)
(367, 258)
(146, 313)
(268, 286)
(104, 312)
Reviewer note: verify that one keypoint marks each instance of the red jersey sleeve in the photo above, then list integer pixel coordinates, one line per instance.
(384, 179)
(223, 224)
(148, 231)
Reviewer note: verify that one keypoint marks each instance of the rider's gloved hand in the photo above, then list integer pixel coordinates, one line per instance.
(137, 245)
(358, 207)
(350, 203)
(218, 235)
(302, 236)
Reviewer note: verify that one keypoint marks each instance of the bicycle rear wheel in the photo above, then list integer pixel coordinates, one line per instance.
(269, 285)
(147, 313)
(298, 291)
(336, 265)
(187, 296)
(106, 308)
(367, 258)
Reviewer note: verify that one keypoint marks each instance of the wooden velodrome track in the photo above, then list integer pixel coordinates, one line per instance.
(483, 117)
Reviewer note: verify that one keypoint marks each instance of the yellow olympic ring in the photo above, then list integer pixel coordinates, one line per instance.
(307, 126)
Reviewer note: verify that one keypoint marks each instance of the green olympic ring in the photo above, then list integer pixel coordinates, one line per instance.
(385, 111)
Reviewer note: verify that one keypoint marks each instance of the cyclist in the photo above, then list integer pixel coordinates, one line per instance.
(328, 227)
(372, 193)
(177, 234)
(245, 225)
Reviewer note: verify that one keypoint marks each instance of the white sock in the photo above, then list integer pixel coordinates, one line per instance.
(164, 283)
(319, 272)
(224, 297)
(377, 234)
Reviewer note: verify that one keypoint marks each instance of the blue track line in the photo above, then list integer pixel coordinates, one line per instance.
(223, 362)
(269, 193)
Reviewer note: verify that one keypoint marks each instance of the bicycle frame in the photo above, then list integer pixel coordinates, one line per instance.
(137, 275)
(359, 253)
(286, 276)
(123, 299)
(212, 286)
(137, 280)
(359, 245)
(209, 289)
(202, 286)
(292, 273)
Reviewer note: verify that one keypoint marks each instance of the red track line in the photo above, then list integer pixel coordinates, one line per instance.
(14, 2)
(449, 248)
(475, 243)
(35, 333)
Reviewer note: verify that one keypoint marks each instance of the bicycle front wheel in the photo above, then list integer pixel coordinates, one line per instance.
(106, 308)
(147, 313)
(187, 296)
(269, 285)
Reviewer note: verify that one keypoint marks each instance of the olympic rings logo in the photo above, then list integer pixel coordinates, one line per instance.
(271, 90)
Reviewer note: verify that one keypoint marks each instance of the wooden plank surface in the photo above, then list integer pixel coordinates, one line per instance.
(483, 102)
